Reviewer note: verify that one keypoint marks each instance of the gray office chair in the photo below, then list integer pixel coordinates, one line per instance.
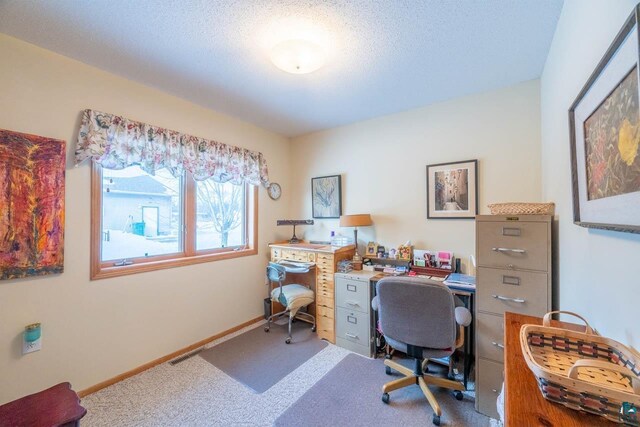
(419, 317)
(293, 296)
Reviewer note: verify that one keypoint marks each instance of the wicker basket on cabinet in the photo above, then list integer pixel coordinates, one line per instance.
(584, 371)
(520, 208)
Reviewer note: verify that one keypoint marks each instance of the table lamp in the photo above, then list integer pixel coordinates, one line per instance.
(360, 220)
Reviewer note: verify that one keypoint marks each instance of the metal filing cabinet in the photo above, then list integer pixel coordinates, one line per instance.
(354, 317)
(514, 274)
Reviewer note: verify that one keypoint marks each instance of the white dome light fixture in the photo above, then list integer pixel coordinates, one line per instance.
(297, 56)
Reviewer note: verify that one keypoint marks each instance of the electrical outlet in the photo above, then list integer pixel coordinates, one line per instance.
(30, 347)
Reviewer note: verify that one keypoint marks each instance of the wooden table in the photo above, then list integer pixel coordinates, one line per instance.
(523, 403)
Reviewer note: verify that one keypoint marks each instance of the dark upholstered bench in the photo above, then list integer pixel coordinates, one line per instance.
(53, 407)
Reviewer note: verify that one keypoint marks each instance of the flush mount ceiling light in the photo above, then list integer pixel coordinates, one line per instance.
(297, 56)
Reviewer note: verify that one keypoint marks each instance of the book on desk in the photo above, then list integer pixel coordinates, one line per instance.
(461, 281)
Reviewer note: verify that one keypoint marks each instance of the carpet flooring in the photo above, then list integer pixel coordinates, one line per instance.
(255, 357)
(197, 393)
(352, 390)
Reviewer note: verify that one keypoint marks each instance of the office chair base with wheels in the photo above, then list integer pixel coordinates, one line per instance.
(417, 376)
(301, 315)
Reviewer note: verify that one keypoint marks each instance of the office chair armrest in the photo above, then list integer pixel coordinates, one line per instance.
(374, 303)
(463, 316)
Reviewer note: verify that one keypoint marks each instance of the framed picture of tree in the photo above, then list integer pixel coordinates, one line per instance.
(326, 196)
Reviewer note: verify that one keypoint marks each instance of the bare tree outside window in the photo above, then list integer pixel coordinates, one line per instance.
(220, 214)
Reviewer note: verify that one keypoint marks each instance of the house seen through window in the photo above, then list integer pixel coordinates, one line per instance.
(160, 217)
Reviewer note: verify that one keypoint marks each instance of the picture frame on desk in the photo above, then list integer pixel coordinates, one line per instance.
(372, 249)
(452, 190)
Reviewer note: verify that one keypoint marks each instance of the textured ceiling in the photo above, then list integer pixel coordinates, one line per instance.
(383, 56)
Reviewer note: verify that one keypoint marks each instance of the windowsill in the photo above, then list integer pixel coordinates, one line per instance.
(105, 272)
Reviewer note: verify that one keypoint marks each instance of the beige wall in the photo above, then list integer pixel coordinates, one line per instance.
(596, 272)
(383, 166)
(93, 331)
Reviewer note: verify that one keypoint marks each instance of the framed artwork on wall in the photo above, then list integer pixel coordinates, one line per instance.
(605, 133)
(326, 196)
(452, 190)
(32, 171)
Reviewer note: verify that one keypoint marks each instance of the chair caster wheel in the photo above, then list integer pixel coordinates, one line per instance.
(266, 329)
(288, 341)
(458, 395)
(313, 329)
(387, 370)
(385, 397)
(436, 420)
(388, 356)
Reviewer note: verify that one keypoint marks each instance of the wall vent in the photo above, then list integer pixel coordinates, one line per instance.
(185, 357)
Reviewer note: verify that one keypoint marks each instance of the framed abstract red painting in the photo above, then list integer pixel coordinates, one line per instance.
(32, 173)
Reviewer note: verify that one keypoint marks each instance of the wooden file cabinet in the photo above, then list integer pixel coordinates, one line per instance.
(514, 274)
(321, 279)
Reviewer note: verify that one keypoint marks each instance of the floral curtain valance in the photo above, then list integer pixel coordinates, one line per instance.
(116, 143)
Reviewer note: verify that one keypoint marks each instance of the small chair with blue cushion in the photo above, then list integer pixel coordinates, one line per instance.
(420, 317)
(293, 296)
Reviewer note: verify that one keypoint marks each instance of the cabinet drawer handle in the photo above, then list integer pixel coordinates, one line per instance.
(352, 304)
(497, 344)
(502, 298)
(494, 390)
(355, 337)
(503, 250)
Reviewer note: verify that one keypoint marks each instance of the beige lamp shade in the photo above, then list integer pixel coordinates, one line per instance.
(360, 220)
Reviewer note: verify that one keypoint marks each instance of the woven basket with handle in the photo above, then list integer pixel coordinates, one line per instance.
(584, 371)
(521, 208)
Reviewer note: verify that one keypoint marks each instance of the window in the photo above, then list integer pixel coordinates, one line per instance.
(142, 222)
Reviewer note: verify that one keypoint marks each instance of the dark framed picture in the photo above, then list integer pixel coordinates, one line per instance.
(326, 196)
(452, 190)
(605, 133)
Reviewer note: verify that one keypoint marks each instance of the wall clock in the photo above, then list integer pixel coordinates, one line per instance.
(274, 190)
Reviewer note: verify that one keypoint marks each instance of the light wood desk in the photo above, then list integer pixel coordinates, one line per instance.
(320, 279)
(523, 402)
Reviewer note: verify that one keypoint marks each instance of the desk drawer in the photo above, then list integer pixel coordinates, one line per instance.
(352, 294)
(325, 301)
(325, 286)
(522, 292)
(324, 293)
(325, 277)
(324, 312)
(352, 326)
(355, 347)
(325, 328)
(324, 259)
(490, 378)
(513, 245)
(490, 336)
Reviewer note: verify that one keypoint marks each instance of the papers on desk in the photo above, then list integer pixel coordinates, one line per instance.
(462, 281)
